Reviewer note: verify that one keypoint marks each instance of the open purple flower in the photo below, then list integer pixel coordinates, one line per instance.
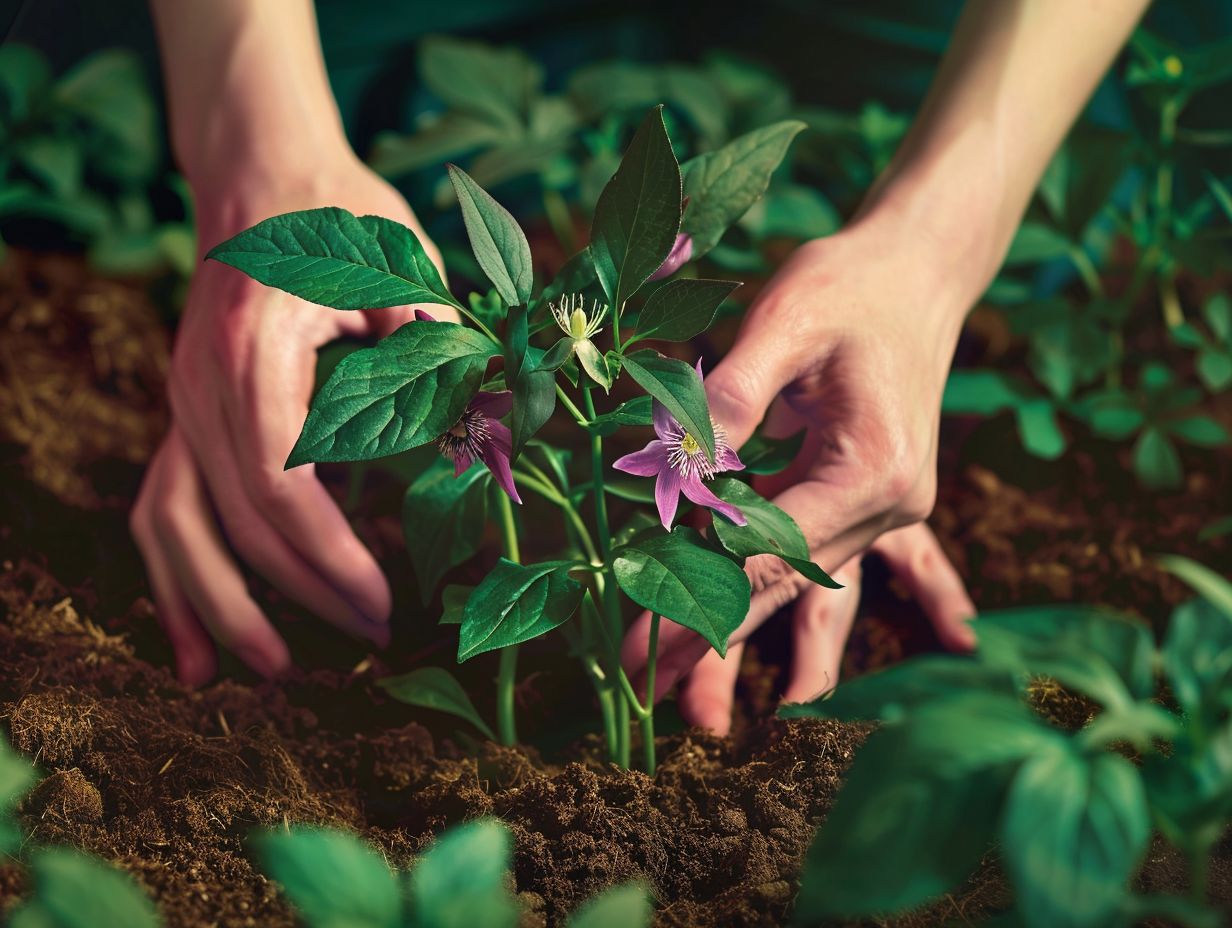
(679, 463)
(479, 435)
(682, 251)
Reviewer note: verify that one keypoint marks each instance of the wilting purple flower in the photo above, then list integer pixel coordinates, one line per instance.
(479, 435)
(679, 463)
(681, 252)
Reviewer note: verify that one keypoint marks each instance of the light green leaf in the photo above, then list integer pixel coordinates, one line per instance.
(75, 890)
(497, 240)
(682, 581)
(435, 688)
(681, 309)
(449, 136)
(1156, 461)
(109, 91)
(980, 393)
(332, 878)
(1038, 428)
(495, 84)
(1074, 832)
(328, 256)
(593, 362)
(1215, 368)
(676, 385)
(621, 907)
(404, 392)
(1190, 791)
(1035, 243)
(460, 881)
(721, 185)
(769, 530)
(443, 519)
(1204, 581)
(638, 213)
(515, 603)
(1202, 431)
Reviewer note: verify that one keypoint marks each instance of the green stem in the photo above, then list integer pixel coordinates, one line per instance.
(1087, 271)
(1168, 114)
(569, 405)
(646, 716)
(575, 518)
(475, 319)
(507, 676)
(1199, 874)
(616, 311)
(560, 219)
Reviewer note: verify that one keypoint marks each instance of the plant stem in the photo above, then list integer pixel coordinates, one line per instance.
(569, 405)
(1199, 872)
(575, 518)
(1087, 271)
(611, 606)
(475, 319)
(507, 675)
(560, 219)
(1173, 315)
(646, 716)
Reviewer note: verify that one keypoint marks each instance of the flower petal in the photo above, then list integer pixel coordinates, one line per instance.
(682, 251)
(665, 424)
(667, 495)
(729, 460)
(699, 493)
(462, 463)
(495, 453)
(493, 405)
(422, 316)
(645, 463)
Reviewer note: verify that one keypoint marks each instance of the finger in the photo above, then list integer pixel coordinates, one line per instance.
(820, 626)
(318, 546)
(212, 583)
(916, 558)
(195, 658)
(744, 384)
(707, 694)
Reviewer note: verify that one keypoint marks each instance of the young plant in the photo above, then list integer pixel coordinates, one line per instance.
(334, 880)
(960, 764)
(482, 392)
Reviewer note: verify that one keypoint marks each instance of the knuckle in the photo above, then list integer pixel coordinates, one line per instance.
(273, 489)
(170, 519)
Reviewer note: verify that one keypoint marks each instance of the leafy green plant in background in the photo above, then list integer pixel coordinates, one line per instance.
(83, 152)
(70, 889)
(482, 392)
(1153, 192)
(462, 880)
(960, 764)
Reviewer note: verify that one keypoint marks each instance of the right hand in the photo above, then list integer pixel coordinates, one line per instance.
(216, 495)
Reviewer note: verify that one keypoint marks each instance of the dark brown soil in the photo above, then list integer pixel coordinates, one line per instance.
(169, 782)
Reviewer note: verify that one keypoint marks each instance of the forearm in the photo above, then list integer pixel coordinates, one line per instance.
(246, 87)
(1016, 76)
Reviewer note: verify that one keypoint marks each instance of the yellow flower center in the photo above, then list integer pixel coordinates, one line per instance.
(1173, 66)
(577, 324)
(689, 444)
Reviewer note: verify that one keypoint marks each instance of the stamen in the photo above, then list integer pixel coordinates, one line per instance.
(468, 436)
(686, 455)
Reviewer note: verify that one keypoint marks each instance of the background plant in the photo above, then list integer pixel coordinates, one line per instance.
(960, 764)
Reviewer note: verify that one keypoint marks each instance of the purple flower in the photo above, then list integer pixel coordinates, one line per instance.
(681, 252)
(679, 463)
(479, 435)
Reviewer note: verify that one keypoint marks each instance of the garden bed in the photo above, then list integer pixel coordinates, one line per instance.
(169, 782)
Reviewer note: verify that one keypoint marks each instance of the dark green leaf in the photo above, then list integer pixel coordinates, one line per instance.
(1156, 461)
(638, 213)
(497, 240)
(1074, 832)
(681, 309)
(622, 907)
(453, 603)
(1202, 431)
(689, 584)
(763, 455)
(676, 385)
(460, 881)
(406, 391)
(328, 256)
(576, 276)
(1035, 243)
(332, 878)
(75, 890)
(515, 603)
(634, 412)
(435, 688)
(24, 77)
(980, 393)
(109, 91)
(721, 185)
(1190, 791)
(449, 136)
(769, 530)
(533, 386)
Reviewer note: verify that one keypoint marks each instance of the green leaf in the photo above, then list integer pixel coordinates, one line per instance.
(449, 136)
(1105, 655)
(1074, 832)
(328, 256)
(1190, 791)
(1038, 428)
(75, 890)
(332, 878)
(453, 603)
(769, 530)
(891, 694)
(460, 881)
(435, 688)
(918, 807)
(721, 185)
(497, 240)
(1035, 243)
(635, 412)
(681, 309)
(676, 385)
(638, 213)
(17, 775)
(791, 211)
(495, 84)
(620, 907)
(404, 392)
(24, 76)
(593, 362)
(55, 161)
(980, 393)
(689, 584)
(1202, 431)
(109, 91)
(763, 455)
(533, 386)
(1215, 368)
(1156, 461)
(1204, 581)
(516, 603)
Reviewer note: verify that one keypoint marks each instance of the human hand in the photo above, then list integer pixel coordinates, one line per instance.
(215, 495)
(850, 341)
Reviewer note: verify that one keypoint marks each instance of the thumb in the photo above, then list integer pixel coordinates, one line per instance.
(744, 384)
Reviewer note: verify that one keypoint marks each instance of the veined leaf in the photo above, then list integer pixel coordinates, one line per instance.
(443, 518)
(681, 309)
(497, 240)
(328, 256)
(763, 455)
(676, 385)
(515, 603)
(404, 392)
(435, 688)
(635, 412)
